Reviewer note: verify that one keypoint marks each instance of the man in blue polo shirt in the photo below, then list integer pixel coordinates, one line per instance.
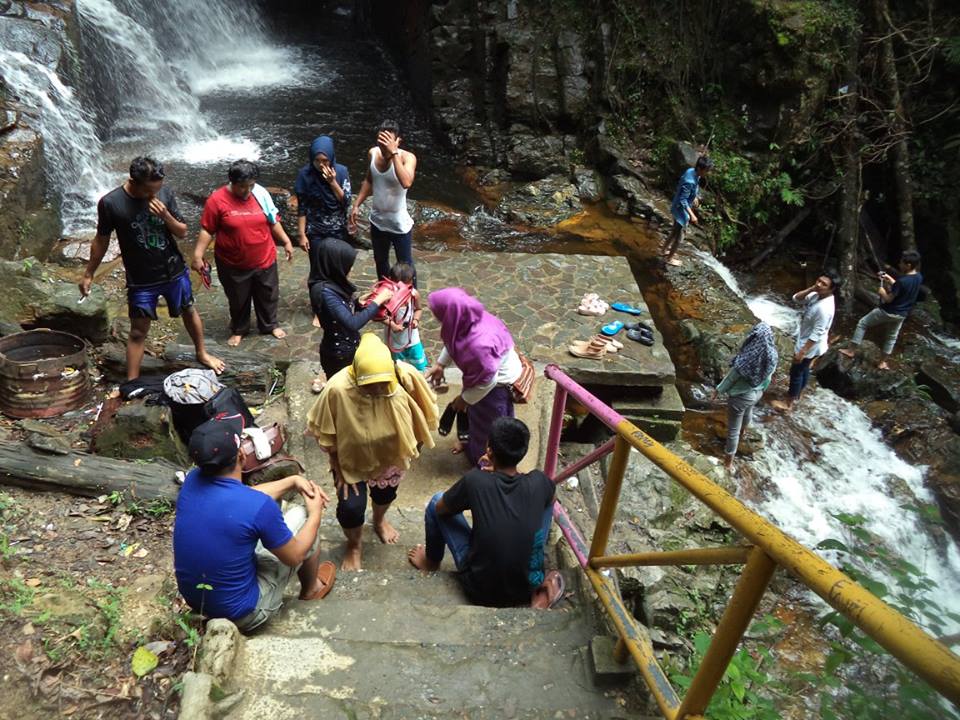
(233, 550)
(898, 295)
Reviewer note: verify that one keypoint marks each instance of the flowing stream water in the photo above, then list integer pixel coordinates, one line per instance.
(827, 459)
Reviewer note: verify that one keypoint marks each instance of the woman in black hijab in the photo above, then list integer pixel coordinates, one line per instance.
(334, 300)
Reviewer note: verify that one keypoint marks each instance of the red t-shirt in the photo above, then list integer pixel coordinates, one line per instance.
(244, 240)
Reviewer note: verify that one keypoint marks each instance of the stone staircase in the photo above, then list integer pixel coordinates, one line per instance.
(391, 642)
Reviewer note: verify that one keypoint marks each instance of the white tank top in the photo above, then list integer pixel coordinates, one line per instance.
(389, 212)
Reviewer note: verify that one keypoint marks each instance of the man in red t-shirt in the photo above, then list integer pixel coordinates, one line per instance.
(245, 251)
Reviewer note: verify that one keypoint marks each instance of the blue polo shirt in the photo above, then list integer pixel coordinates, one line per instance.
(688, 189)
(218, 524)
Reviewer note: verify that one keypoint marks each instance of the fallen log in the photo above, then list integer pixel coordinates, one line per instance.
(81, 473)
(252, 373)
(779, 238)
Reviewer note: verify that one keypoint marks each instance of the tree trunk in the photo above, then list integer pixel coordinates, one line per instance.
(899, 151)
(851, 180)
(84, 474)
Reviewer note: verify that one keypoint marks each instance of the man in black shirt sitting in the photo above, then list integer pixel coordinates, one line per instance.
(500, 559)
(144, 215)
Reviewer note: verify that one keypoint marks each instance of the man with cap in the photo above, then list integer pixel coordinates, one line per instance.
(233, 550)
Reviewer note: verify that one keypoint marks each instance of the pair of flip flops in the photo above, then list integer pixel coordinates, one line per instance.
(592, 306)
(596, 348)
(640, 332)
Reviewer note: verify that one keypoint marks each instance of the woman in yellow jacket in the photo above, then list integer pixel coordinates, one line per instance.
(372, 418)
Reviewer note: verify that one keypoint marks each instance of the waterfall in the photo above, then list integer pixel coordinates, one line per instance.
(851, 471)
(74, 156)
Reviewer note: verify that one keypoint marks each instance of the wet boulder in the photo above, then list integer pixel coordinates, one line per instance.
(536, 156)
(858, 378)
(137, 431)
(942, 383)
(589, 184)
(542, 203)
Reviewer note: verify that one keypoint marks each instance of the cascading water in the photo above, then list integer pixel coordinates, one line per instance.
(75, 168)
(144, 57)
(827, 459)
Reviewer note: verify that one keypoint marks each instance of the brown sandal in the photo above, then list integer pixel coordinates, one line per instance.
(327, 575)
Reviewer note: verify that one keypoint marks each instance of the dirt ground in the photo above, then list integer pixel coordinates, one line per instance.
(84, 583)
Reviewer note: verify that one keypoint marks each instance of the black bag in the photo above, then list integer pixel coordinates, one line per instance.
(187, 417)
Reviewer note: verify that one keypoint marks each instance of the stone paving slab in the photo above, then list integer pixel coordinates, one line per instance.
(536, 295)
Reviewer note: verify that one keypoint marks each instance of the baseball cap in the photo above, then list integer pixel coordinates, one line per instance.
(214, 444)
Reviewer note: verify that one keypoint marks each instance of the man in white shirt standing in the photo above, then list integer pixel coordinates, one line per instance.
(819, 307)
(390, 173)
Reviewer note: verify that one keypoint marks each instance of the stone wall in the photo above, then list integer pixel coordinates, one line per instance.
(29, 224)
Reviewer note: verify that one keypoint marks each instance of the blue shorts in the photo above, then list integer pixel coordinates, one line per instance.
(142, 301)
(413, 355)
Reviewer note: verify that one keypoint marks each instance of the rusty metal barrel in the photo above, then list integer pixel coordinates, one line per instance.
(43, 373)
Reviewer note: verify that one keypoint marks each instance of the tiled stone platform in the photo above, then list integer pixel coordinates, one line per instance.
(536, 295)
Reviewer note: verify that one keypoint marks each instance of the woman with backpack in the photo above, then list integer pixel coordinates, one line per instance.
(334, 301)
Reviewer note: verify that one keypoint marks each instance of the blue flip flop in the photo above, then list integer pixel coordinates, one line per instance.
(612, 328)
(625, 308)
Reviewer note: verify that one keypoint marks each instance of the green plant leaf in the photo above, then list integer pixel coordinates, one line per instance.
(143, 661)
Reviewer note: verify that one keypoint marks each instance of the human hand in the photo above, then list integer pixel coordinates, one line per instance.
(414, 322)
(328, 174)
(85, 284)
(381, 297)
(305, 487)
(434, 375)
(288, 251)
(798, 358)
(396, 327)
(316, 502)
(304, 242)
(197, 263)
(459, 404)
(887, 278)
(693, 218)
(389, 141)
(157, 208)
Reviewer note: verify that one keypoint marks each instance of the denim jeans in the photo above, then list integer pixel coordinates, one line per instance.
(402, 245)
(739, 415)
(454, 532)
(799, 377)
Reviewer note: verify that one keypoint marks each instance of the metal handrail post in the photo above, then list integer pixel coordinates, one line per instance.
(736, 619)
(611, 496)
(553, 436)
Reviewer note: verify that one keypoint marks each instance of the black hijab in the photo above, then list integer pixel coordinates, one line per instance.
(334, 262)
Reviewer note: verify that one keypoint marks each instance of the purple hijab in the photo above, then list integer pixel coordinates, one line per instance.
(475, 339)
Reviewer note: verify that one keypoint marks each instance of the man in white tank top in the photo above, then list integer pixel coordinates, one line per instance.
(390, 173)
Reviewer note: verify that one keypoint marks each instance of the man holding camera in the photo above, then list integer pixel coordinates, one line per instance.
(898, 295)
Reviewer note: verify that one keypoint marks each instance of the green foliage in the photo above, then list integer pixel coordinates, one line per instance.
(15, 596)
(861, 680)
(951, 50)
(746, 692)
(747, 193)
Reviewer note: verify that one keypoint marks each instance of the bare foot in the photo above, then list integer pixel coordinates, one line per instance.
(316, 321)
(418, 558)
(387, 533)
(279, 333)
(234, 340)
(848, 353)
(458, 448)
(211, 361)
(351, 559)
(728, 461)
(883, 365)
(675, 262)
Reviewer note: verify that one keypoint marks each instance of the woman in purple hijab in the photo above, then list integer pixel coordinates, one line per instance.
(481, 346)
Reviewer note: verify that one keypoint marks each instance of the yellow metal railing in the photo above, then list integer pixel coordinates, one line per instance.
(770, 548)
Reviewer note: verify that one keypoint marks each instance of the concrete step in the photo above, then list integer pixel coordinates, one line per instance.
(666, 405)
(409, 659)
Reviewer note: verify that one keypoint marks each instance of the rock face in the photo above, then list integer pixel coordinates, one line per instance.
(34, 298)
(29, 225)
(508, 85)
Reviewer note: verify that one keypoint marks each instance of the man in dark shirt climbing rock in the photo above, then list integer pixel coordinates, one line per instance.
(898, 295)
(144, 215)
(500, 559)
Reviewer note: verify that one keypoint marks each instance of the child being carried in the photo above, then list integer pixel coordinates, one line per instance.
(402, 329)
